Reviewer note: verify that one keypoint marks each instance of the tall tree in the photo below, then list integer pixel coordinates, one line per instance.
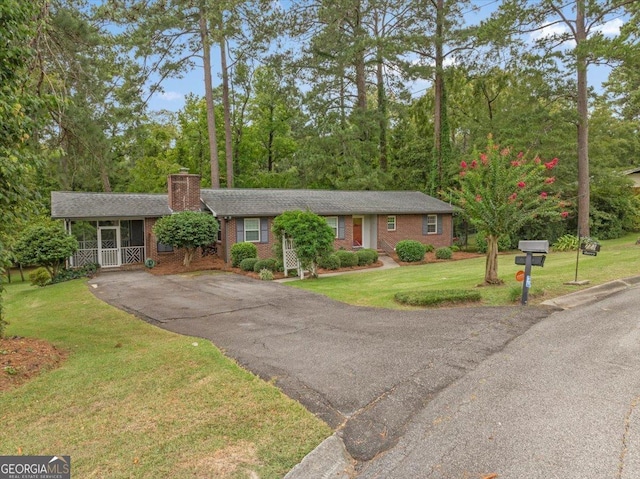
(574, 34)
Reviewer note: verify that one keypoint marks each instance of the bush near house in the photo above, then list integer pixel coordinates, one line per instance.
(240, 251)
(45, 244)
(311, 235)
(189, 230)
(366, 257)
(331, 262)
(444, 253)
(247, 264)
(410, 251)
(347, 258)
(270, 263)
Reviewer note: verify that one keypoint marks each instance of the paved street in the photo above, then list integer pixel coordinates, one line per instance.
(367, 372)
(560, 401)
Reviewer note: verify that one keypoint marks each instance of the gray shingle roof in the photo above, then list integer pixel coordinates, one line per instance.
(246, 202)
(272, 202)
(71, 204)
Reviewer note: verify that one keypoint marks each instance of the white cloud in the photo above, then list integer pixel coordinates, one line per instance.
(172, 96)
(548, 30)
(610, 28)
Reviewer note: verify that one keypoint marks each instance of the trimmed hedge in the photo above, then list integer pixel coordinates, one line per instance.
(433, 298)
(240, 251)
(410, 251)
(270, 263)
(347, 258)
(247, 264)
(366, 257)
(331, 262)
(444, 253)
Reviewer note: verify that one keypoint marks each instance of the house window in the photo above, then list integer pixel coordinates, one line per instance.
(432, 224)
(252, 230)
(391, 223)
(164, 248)
(332, 221)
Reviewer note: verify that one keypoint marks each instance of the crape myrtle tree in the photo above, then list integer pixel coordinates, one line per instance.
(500, 192)
(312, 236)
(187, 229)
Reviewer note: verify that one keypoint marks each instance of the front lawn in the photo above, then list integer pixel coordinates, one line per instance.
(133, 400)
(618, 258)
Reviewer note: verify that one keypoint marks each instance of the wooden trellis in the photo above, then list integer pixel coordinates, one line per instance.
(290, 258)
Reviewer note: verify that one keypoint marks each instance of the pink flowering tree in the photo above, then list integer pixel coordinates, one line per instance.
(500, 192)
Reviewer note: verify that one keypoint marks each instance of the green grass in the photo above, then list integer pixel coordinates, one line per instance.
(133, 400)
(618, 258)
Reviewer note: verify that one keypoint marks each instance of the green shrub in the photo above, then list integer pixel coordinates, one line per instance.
(86, 271)
(270, 263)
(504, 243)
(410, 251)
(331, 261)
(347, 258)
(40, 277)
(366, 257)
(432, 298)
(266, 274)
(374, 252)
(429, 248)
(240, 251)
(566, 243)
(444, 253)
(455, 248)
(247, 264)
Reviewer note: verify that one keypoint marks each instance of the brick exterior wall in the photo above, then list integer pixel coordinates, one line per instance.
(407, 227)
(184, 192)
(410, 227)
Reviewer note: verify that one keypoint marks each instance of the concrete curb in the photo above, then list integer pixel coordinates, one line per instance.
(330, 460)
(593, 294)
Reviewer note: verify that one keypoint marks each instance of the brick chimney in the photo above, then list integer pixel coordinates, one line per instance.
(184, 191)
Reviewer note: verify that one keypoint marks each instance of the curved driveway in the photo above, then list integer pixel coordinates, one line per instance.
(366, 371)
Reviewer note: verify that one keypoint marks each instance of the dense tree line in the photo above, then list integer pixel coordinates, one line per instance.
(338, 94)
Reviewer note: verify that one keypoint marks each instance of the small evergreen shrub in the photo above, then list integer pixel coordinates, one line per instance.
(365, 257)
(455, 248)
(566, 243)
(240, 251)
(410, 251)
(429, 248)
(331, 261)
(444, 253)
(347, 258)
(266, 274)
(247, 264)
(40, 277)
(270, 263)
(433, 298)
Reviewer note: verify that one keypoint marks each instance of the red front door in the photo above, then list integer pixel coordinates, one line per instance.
(357, 231)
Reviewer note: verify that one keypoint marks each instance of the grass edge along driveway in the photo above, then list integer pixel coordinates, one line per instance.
(619, 258)
(133, 400)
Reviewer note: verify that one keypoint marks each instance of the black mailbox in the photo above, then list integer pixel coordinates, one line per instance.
(535, 260)
(530, 247)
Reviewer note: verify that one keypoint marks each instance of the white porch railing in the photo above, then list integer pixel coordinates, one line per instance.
(132, 254)
(128, 255)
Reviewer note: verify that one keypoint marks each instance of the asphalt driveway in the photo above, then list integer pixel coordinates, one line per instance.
(365, 371)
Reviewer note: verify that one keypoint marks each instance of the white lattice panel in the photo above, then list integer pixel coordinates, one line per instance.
(132, 254)
(85, 256)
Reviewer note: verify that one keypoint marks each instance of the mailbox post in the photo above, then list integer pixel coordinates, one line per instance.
(529, 260)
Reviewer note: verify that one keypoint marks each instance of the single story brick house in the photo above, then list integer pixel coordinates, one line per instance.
(116, 229)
